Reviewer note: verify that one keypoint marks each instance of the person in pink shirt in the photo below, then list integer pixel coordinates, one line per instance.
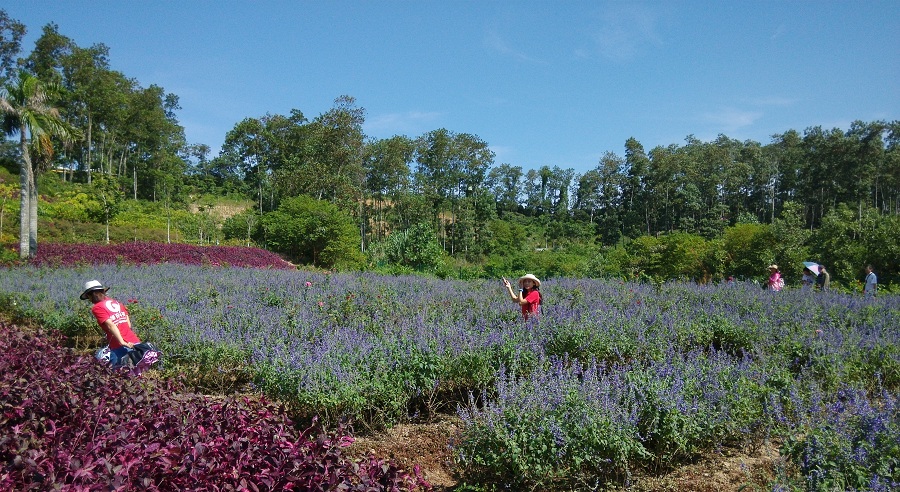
(776, 283)
(113, 319)
(529, 295)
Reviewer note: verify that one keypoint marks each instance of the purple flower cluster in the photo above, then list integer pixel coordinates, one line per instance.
(850, 442)
(655, 374)
(146, 253)
(597, 419)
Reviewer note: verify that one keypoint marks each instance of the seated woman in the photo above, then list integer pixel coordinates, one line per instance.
(113, 318)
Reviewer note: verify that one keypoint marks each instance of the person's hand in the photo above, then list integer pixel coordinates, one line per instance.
(129, 345)
(506, 282)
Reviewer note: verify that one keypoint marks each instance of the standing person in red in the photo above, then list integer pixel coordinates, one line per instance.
(113, 319)
(529, 295)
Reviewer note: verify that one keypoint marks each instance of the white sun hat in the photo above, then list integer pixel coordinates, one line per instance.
(530, 277)
(92, 285)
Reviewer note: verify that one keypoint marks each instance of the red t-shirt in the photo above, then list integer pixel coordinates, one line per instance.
(534, 300)
(110, 309)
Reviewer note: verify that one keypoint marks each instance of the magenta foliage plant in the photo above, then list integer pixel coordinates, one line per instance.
(69, 423)
(144, 253)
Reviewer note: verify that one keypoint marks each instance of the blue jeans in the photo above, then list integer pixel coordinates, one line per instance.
(116, 356)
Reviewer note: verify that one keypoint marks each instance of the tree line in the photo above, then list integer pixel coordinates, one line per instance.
(125, 142)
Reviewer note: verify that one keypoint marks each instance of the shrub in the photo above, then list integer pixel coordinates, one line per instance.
(314, 232)
(416, 248)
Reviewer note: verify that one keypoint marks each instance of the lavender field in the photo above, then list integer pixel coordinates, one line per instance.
(614, 377)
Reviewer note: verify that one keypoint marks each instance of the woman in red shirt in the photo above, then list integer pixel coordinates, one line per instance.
(529, 295)
(113, 319)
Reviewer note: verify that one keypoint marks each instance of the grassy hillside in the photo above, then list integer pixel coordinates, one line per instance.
(72, 213)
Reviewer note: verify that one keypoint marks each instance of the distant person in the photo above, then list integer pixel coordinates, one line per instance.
(808, 279)
(529, 296)
(823, 282)
(775, 283)
(113, 318)
(871, 284)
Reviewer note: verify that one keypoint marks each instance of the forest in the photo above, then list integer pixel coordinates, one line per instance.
(93, 155)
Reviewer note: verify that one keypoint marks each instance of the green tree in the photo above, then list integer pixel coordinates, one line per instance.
(6, 199)
(416, 248)
(748, 249)
(687, 256)
(635, 189)
(26, 106)
(313, 231)
(108, 200)
(647, 256)
(505, 182)
(387, 164)
(848, 240)
(450, 167)
(242, 226)
(245, 150)
(11, 34)
(790, 236)
(322, 158)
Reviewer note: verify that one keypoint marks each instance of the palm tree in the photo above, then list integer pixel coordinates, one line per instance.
(25, 108)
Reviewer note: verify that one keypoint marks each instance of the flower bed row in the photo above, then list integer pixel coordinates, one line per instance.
(615, 376)
(147, 253)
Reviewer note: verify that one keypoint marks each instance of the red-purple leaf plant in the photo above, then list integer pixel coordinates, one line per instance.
(68, 423)
(144, 253)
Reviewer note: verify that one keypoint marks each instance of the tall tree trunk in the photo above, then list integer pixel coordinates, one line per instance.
(89, 149)
(26, 177)
(33, 214)
(168, 219)
(24, 202)
(106, 215)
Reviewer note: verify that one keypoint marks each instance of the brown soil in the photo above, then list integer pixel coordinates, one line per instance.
(728, 469)
(427, 444)
(220, 211)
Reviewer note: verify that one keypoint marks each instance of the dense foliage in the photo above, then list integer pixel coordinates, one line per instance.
(69, 423)
(614, 377)
(312, 231)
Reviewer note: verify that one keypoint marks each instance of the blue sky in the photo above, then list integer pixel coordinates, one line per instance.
(543, 83)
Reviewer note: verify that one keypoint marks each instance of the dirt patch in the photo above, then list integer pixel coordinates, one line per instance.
(728, 469)
(220, 211)
(427, 444)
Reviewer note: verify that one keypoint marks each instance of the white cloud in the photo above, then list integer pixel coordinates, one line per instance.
(778, 32)
(774, 101)
(410, 123)
(502, 153)
(494, 41)
(731, 119)
(624, 30)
